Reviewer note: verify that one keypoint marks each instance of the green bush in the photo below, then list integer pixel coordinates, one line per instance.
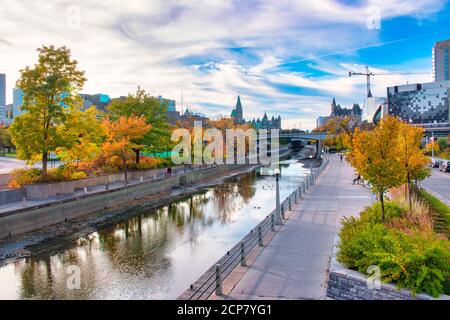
(372, 214)
(417, 261)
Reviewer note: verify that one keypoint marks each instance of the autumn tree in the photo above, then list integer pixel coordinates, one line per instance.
(50, 91)
(122, 136)
(6, 139)
(153, 111)
(376, 157)
(84, 136)
(412, 157)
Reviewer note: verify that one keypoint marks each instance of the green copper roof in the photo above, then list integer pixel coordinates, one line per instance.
(238, 103)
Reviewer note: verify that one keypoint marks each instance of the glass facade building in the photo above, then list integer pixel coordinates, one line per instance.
(2, 89)
(420, 103)
(441, 61)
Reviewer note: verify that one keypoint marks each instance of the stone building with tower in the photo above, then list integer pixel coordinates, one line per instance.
(264, 123)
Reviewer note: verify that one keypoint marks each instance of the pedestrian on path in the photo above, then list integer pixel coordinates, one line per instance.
(340, 156)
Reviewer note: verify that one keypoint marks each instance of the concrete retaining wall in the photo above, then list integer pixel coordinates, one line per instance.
(47, 190)
(13, 195)
(25, 220)
(352, 285)
(346, 284)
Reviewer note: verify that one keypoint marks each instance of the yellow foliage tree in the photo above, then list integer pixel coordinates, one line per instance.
(85, 133)
(376, 157)
(412, 157)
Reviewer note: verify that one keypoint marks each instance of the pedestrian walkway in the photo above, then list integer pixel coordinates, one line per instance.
(294, 265)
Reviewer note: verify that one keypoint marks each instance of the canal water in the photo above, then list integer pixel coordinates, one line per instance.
(156, 254)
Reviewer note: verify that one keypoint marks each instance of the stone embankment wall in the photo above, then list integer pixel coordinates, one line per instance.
(346, 284)
(33, 218)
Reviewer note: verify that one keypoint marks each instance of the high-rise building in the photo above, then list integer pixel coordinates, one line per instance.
(17, 102)
(420, 103)
(99, 100)
(2, 89)
(441, 61)
(171, 104)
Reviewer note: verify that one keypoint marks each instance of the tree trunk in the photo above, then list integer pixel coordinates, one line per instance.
(138, 155)
(409, 192)
(125, 168)
(44, 163)
(382, 206)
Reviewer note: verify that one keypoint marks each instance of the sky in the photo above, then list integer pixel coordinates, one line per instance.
(284, 57)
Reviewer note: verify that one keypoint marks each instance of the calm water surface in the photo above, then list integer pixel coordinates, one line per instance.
(156, 254)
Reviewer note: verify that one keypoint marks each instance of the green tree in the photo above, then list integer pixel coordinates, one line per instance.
(442, 143)
(154, 111)
(6, 139)
(50, 91)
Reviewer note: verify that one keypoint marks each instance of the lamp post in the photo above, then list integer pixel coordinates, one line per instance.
(310, 163)
(278, 220)
(432, 144)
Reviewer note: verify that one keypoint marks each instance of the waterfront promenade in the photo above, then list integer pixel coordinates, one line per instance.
(295, 263)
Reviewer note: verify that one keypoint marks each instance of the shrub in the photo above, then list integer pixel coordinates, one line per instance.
(417, 260)
(373, 214)
(22, 177)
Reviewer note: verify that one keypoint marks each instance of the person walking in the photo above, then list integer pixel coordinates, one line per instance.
(340, 156)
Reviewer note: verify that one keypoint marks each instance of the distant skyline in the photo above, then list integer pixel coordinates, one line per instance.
(286, 57)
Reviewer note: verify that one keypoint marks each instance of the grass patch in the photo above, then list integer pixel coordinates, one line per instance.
(439, 210)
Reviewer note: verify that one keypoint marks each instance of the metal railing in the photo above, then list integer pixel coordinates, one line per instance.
(213, 279)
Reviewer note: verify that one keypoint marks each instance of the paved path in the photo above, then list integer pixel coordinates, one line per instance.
(438, 184)
(294, 265)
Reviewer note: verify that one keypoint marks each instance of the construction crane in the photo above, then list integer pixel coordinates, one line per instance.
(369, 74)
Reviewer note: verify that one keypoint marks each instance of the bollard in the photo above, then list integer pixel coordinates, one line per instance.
(272, 222)
(243, 260)
(260, 237)
(218, 280)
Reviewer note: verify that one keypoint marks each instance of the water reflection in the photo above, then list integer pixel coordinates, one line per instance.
(157, 254)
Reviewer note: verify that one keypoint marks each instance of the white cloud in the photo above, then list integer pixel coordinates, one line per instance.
(123, 44)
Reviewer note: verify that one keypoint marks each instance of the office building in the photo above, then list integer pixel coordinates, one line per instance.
(17, 102)
(420, 103)
(441, 61)
(171, 104)
(99, 100)
(2, 89)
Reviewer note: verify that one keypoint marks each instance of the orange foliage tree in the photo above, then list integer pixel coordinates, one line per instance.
(122, 137)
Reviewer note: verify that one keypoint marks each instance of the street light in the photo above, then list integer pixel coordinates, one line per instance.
(310, 163)
(432, 146)
(278, 220)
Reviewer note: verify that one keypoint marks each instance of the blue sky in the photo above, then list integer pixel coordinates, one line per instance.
(287, 57)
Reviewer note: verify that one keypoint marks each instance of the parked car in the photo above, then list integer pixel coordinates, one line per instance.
(435, 163)
(444, 166)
